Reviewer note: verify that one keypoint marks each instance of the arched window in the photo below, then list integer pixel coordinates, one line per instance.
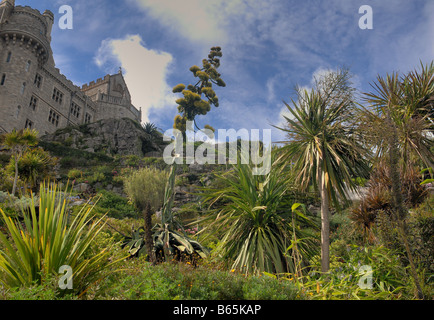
(3, 79)
(23, 88)
(8, 59)
(28, 64)
(18, 112)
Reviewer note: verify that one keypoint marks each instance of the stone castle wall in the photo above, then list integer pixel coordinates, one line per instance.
(33, 92)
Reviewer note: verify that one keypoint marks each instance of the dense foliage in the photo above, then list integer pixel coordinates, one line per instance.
(135, 227)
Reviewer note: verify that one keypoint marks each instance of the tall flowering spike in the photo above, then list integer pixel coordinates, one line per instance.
(193, 104)
(194, 69)
(179, 88)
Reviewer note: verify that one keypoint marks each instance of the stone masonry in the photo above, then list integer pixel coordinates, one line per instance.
(33, 92)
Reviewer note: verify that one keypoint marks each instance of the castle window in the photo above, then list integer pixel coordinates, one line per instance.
(2, 82)
(87, 118)
(33, 103)
(28, 125)
(75, 110)
(8, 59)
(53, 118)
(18, 112)
(23, 88)
(38, 80)
(57, 96)
(28, 64)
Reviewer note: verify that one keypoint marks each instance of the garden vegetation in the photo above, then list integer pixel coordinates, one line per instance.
(346, 211)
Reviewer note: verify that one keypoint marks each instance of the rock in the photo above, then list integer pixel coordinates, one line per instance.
(78, 203)
(109, 136)
(81, 187)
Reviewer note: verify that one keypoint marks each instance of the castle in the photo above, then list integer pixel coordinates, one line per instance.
(33, 92)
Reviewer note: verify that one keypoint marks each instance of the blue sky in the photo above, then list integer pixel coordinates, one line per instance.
(269, 46)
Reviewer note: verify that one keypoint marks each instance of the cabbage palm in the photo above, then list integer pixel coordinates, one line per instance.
(404, 107)
(18, 142)
(324, 145)
(408, 102)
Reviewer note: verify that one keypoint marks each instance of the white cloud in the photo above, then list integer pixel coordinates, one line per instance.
(145, 71)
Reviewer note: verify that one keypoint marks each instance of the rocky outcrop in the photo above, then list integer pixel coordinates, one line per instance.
(109, 136)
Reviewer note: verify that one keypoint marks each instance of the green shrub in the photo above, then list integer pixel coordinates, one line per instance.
(74, 174)
(116, 206)
(46, 291)
(132, 160)
(12, 206)
(389, 277)
(97, 177)
(73, 158)
(266, 288)
(168, 281)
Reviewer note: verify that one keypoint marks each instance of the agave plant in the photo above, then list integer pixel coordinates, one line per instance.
(46, 241)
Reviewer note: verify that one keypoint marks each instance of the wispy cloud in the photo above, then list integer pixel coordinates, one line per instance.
(196, 20)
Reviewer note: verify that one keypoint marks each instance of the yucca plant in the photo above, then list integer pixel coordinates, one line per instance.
(257, 229)
(36, 249)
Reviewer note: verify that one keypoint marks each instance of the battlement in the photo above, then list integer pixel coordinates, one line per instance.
(35, 13)
(64, 80)
(98, 82)
(28, 9)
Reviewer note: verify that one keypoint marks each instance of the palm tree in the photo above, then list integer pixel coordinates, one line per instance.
(324, 145)
(403, 106)
(408, 103)
(150, 128)
(18, 142)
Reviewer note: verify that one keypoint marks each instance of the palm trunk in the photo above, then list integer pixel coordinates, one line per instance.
(14, 188)
(400, 213)
(148, 234)
(325, 223)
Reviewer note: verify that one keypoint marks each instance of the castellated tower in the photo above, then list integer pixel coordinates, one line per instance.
(33, 92)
